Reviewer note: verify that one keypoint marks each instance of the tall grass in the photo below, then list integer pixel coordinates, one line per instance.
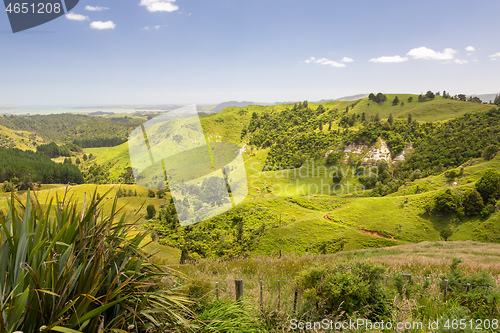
(67, 270)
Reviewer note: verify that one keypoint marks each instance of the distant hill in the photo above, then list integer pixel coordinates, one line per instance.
(487, 97)
(101, 113)
(224, 105)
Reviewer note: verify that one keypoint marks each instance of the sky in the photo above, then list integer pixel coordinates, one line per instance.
(147, 52)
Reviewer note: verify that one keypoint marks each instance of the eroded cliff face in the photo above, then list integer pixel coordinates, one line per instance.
(371, 154)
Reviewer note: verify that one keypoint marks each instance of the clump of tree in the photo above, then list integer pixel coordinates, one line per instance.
(124, 193)
(496, 101)
(25, 169)
(480, 200)
(489, 189)
(52, 150)
(379, 98)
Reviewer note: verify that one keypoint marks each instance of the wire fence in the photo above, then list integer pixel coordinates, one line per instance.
(284, 294)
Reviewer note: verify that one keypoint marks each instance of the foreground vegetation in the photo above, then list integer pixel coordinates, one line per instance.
(67, 270)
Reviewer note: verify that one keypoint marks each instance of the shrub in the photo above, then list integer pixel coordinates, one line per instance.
(349, 287)
(83, 271)
(473, 203)
(151, 193)
(479, 300)
(446, 233)
(445, 202)
(151, 212)
(489, 185)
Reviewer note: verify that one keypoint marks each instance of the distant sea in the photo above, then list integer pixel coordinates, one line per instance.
(57, 109)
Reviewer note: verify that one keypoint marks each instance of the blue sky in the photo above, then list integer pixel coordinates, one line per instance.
(209, 51)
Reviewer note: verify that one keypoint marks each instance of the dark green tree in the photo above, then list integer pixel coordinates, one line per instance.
(430, 95)
(445, 202)
(337, 177)
(490, 152)
(446, 233)
(409, 118)
(410, 99)
(489, 186)
(151, 212)
(473, 203)
(390, 120)
(395, 101)
(496, 101)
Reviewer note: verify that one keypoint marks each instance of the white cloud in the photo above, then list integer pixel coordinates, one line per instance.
(100, 25)
(460, 61)
(76, 17)
(470, 48)
(156, 27)
(347, 59)
(324, 61)
(95, 8)
(389, 59)
(495, 56)
(159, 5)
(429, 54)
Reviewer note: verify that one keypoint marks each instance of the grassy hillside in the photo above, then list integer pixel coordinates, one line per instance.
(438, 109)
(18, 139)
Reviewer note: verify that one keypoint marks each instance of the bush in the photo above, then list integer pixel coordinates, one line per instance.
(473, 203)
(151, 212)
(489, 186)
(480, 301)
(445, 202)
(70, 270)
(349, 287)
(446, 233)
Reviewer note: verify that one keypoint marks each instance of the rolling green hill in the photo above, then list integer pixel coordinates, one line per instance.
(438, 109)
(298, 210)
(18, 139)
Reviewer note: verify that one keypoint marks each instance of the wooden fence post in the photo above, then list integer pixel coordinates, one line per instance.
(467, 288)
(261, 296)
(445, 289)
(408, 276)
(238, 284)
(386, 278)
(217, 290)
(295, 301)
(279, 294)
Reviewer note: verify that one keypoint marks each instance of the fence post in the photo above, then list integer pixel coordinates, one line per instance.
(445, 289)
(217, 290)
(408, 276)
(238, 284)
(261, 296)
(386, 278)
(428, 281)
(279, 294)
(295, 301)
(467, 288)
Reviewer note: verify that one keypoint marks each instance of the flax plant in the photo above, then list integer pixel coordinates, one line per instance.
(67, 270)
